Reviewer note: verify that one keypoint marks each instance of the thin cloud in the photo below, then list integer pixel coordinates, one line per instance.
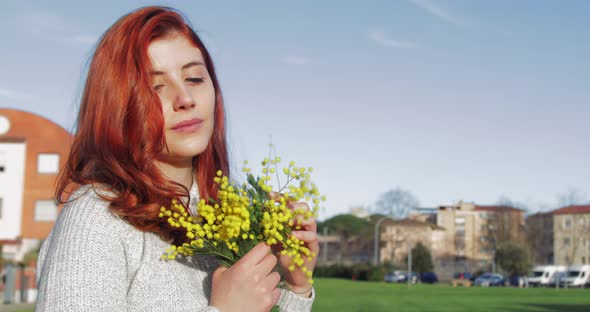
(53, 27)
(84, 39)
(382, 39)
(438, 11)
(42, 22)
(297, 60)
(14, 95)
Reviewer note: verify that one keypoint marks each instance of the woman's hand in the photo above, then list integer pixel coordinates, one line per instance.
(297, 280)
(249, 284)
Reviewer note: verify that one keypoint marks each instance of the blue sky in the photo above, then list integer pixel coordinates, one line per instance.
(452, 100)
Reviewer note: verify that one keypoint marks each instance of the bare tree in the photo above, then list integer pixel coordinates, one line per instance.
(539, 237)
(504, 223)
(571, 197)
(396, 203)
(504, 200)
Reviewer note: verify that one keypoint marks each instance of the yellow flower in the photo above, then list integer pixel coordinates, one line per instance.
(227, 219)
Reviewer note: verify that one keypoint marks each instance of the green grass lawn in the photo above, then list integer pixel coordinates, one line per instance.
(345, 295)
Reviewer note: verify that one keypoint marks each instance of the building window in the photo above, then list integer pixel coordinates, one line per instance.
(48, 163)
(583, 260)
(484, 250)
(567, 223)
(2, 162)
(566, 241)
(45, 210)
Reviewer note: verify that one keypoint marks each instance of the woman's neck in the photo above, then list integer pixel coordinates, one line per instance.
(179, 173)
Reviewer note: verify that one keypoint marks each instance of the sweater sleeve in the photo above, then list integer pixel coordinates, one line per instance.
(291, 302)
(82, 265)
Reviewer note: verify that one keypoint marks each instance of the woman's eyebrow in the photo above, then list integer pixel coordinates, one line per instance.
(193, 63)
(185, 66)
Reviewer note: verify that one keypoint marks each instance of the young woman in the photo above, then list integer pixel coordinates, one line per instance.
(151, 128)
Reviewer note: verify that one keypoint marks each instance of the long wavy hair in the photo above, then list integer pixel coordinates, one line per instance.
(120, 125)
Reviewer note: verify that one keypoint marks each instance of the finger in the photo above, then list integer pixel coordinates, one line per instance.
(276, 196)
(255, 255)
(301, 223)
(299, 206)
(276, 295)
(271, 281)
(306, 236)
(267, 264)
(218, 272)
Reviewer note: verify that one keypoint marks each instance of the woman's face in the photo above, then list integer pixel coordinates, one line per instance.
(186, 92)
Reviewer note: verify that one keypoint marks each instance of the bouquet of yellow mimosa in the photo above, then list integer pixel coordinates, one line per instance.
(245, 214)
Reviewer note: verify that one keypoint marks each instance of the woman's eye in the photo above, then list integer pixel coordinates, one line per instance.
(158, 87)
(195, 80)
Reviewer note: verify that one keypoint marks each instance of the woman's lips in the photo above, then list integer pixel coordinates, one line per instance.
(187, 126)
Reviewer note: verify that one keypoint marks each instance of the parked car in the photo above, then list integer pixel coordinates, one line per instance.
(489, 279)
(399, 277)
(546, 275)
(394, 277)
(428, 277)
(556, 278)
(577, 276)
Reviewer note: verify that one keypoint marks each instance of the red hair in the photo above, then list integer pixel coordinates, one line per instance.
(120, 126)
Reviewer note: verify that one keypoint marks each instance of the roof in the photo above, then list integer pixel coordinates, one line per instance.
(410, 222)
(10, 242)
(497, 208)
(572, 209)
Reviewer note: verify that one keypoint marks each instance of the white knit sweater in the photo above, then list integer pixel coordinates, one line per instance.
(95, 261)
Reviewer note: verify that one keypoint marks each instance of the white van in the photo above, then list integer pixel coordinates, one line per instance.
(577, 276)
(546, 275)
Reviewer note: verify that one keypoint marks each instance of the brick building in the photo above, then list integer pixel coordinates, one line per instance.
(32, 149)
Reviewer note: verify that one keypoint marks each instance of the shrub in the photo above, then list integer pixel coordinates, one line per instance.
(377, 274)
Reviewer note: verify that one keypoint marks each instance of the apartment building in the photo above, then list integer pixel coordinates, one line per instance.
(32, 150)
(571, 230)
(473, 231)
(397, 237)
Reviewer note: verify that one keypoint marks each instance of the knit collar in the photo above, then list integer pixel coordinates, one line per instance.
(194, 195)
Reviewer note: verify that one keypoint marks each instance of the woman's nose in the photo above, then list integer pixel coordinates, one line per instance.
(183, 99)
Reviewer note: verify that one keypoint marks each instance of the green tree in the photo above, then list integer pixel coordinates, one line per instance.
(513, 258)
(421, 259)
(344, 224)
